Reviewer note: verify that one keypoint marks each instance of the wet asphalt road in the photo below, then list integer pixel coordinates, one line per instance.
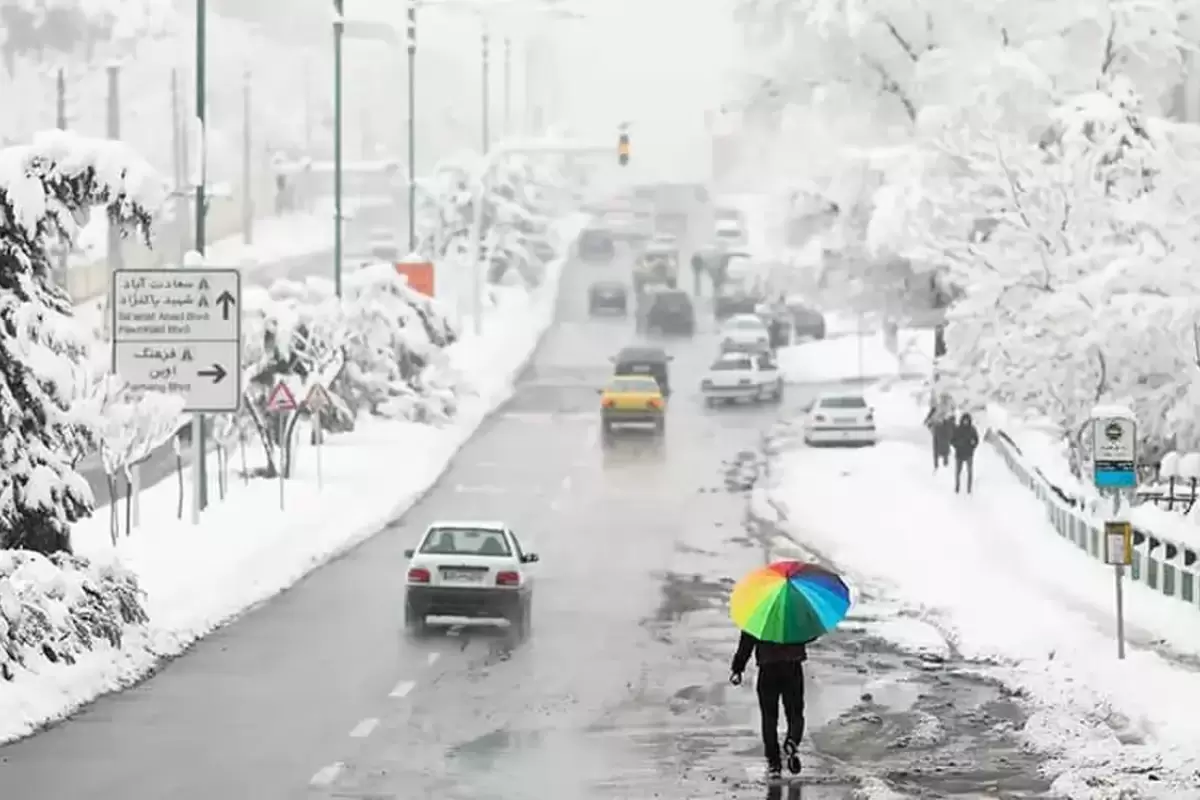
(619, 692)
(162, 463)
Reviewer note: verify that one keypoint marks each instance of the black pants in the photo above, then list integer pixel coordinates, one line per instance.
(961, 459)
(780, 682)
(941, 455)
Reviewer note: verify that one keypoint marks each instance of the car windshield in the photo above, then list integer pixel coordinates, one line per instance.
(847, 402)
(673, 301)
(466, 542)
(731, 364)
(632, 385)
(746, 324)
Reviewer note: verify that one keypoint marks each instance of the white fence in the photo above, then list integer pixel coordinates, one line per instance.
(1166, 566)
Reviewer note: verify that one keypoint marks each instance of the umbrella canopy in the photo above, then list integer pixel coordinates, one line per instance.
(789, 602)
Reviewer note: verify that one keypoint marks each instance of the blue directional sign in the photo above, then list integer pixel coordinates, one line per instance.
(1114, 453)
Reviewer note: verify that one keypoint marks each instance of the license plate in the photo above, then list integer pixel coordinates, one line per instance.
(462, 575)
(846, 420)
(640, 370)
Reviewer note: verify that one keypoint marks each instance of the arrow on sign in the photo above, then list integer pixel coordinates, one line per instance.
(217, 373)
(226, 302)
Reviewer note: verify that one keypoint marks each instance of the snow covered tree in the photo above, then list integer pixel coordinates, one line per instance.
(45, 188)
(1078, 288)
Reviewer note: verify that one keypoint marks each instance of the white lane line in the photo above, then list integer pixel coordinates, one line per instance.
(403, 688)
(327, 775)
(566, 483)
(364, 729)
(432, 659)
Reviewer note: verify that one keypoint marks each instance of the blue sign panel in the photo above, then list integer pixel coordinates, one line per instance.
(1115, 476)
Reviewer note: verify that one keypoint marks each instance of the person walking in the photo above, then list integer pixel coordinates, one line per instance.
(780, 679)
(965, 441)
(697, 272)
(940, 423)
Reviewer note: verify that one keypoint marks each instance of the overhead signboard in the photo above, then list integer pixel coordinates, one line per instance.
(180, 331)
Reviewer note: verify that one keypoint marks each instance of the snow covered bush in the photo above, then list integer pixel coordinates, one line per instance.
(379, 350)
(45, 189)
(59, 607)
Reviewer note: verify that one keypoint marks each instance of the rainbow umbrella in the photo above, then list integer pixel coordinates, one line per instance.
(789, 602)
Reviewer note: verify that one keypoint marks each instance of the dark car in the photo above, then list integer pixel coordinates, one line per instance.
(669, 311)
(608, 296)
(733, 299)
(651, 361)
(806, 320)
(596, 245)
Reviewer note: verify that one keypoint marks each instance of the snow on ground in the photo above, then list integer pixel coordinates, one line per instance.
(246, 550)
(837, 357)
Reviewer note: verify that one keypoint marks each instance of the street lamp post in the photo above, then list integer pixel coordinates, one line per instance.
(412, 126)
(486, 94)
(508, 86)
(339, 29)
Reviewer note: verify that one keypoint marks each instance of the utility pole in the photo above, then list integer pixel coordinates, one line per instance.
(113, 131)
(487, 135)
(412, 125)
(507, 86)
(247, 144)
(60, 100)
(339, 29)
(200, 468)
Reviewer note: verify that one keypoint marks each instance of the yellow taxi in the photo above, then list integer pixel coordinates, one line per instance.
(632, 400)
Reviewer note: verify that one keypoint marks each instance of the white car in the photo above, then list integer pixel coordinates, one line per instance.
(840, 418)
(476, 570)
(742, 376)
(745, 332)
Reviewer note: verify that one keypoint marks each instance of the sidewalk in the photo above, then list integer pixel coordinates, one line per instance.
(1006, 590)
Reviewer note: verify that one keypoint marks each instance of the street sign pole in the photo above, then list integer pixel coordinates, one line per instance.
(282, 403)
(1114, 470)
(200, 468)
(180, 332)
(317, 401)
(412, 125)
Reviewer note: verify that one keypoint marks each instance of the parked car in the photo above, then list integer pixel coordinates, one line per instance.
(840, 418)
(632, 400)
(596, 246)
(477, 570)
(667, 311)
(745, 332)
(608, 297)
(806, 320)
(642, 361)
(742, 376)
(734, 298)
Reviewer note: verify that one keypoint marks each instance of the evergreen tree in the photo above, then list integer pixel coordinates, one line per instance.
(45, 188)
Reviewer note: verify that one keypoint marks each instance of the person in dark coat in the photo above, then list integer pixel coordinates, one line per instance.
(965, 441)
(780, 678)
(941, 427)
(697, 271)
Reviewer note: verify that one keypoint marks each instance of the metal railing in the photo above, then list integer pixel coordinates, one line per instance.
(1166, 566)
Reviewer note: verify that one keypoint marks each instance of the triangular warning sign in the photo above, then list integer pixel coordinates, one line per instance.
(203, 284)
(281, 398)
(317, 398)
(202, 302)
(186, 355)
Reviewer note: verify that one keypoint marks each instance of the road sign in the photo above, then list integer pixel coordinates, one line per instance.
(1118, 543)
(180, 331)
(1114, 452)
(318, 399)
(420, 275)
(281, 398)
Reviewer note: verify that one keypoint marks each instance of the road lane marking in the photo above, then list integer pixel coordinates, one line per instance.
(364, 729)
(327, 775)
(432, 659)
(403, 688)
(566, 483)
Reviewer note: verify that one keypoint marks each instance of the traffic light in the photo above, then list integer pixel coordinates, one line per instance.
(623, 149)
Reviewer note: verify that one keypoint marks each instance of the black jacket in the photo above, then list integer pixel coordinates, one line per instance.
(966, 438)
(765, 653)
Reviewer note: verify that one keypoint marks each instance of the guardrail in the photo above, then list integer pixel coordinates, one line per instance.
(1169, 567)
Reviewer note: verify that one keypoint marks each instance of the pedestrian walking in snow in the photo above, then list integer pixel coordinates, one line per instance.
(697, 272)
(965, 441)
(940, 423)
(780, 680)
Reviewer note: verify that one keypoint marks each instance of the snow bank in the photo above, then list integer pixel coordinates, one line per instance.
(837, 358)
(246, 550)
(990, 573)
